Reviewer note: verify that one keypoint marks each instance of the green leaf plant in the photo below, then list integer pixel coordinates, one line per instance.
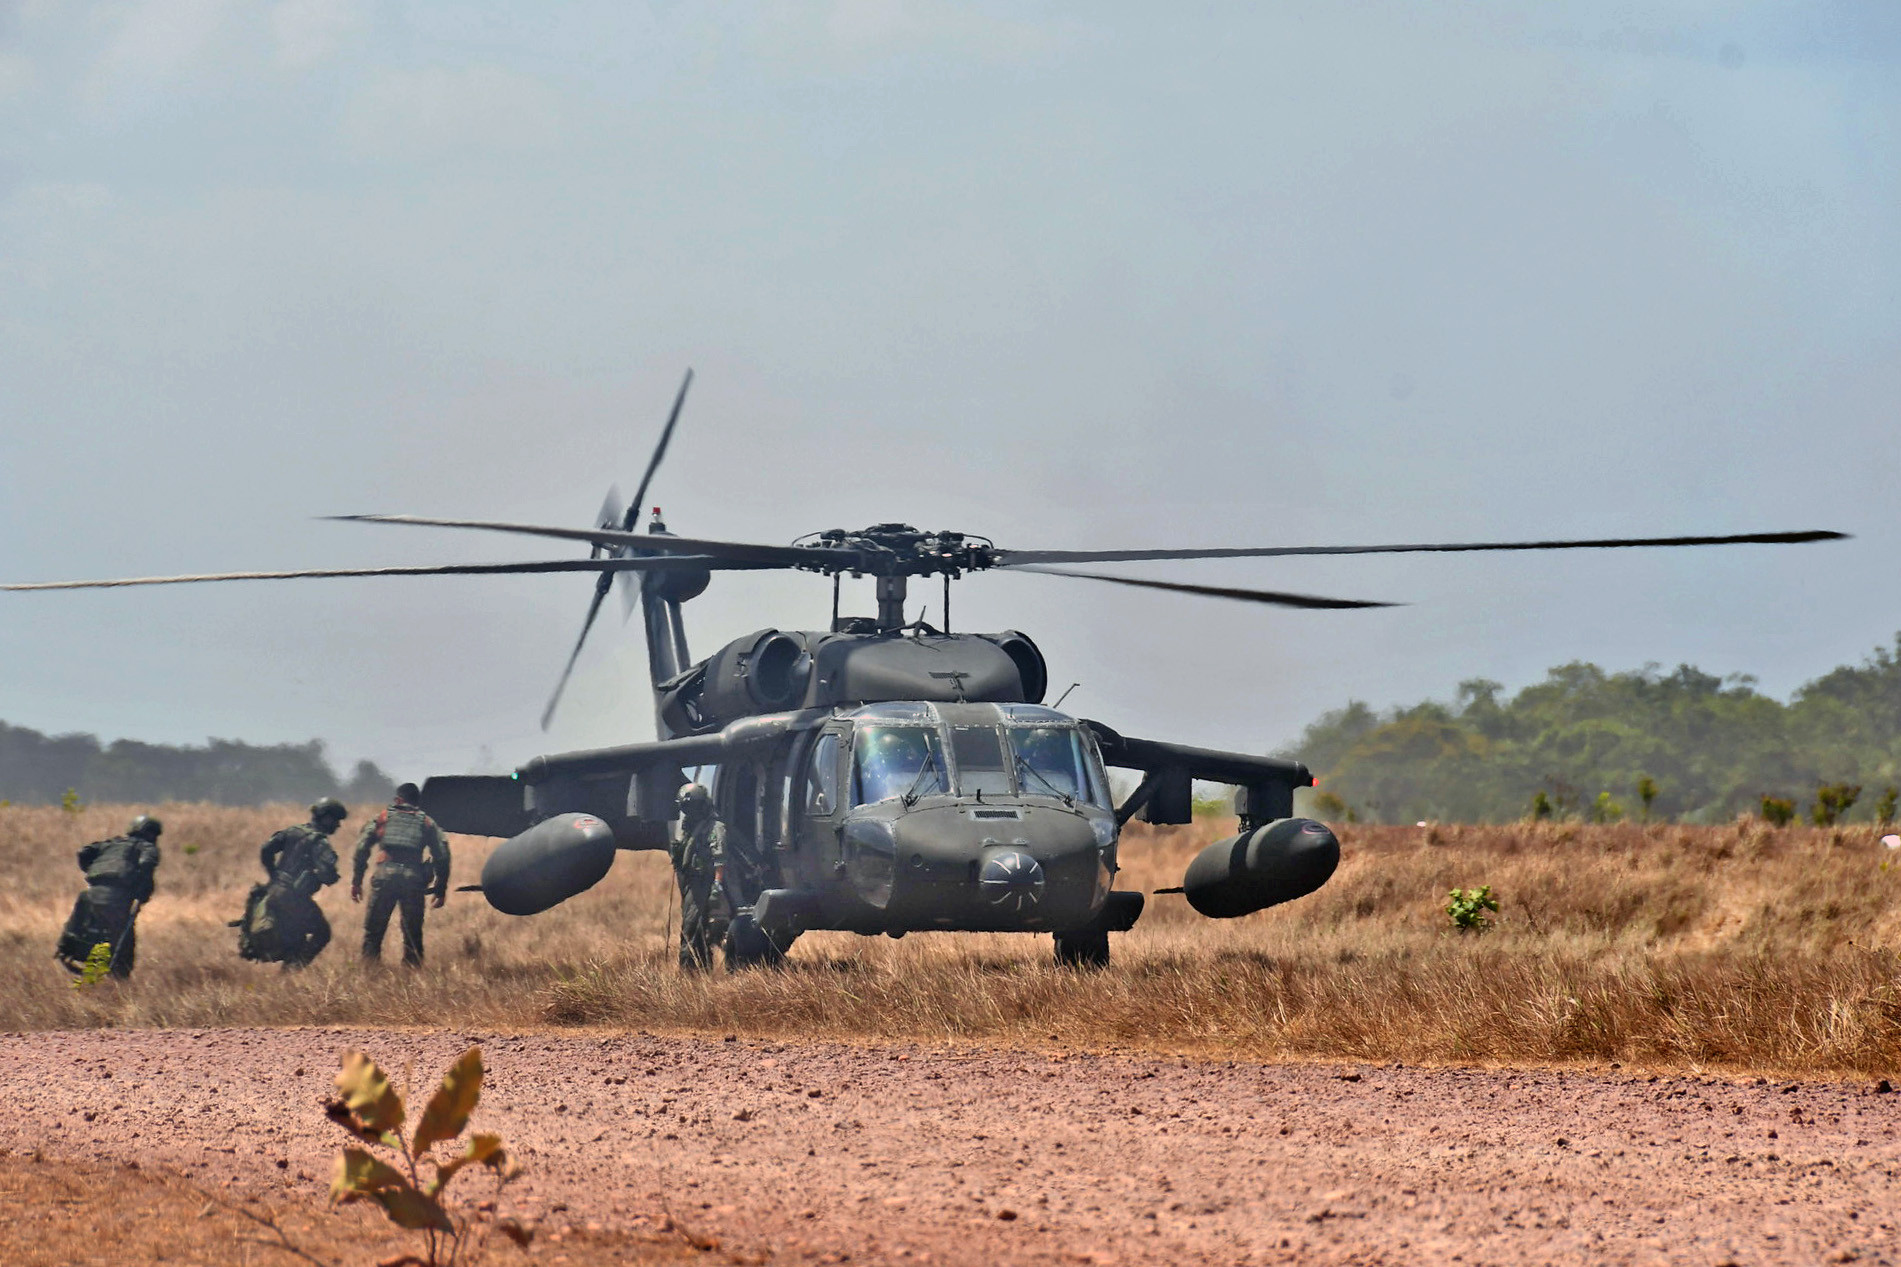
(97, 967)
(1467, 908)
(409, 1186)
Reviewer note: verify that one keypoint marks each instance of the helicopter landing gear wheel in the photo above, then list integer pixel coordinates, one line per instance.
(1082, 950)
(750, 946)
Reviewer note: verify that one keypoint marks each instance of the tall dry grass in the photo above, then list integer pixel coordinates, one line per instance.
(1737, 947)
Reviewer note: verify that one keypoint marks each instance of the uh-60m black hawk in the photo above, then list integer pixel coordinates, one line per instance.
(886, 776)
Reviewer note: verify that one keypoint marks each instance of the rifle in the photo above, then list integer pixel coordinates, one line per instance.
(138, 904)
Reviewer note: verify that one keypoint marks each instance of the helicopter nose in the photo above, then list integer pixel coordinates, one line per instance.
(1011, 880)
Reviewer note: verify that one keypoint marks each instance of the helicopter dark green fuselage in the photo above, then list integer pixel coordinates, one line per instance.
(977, 836)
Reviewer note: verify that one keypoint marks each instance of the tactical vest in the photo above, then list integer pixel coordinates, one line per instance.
(697, 851)
(403, 833)
(297, 866)
(118, 863)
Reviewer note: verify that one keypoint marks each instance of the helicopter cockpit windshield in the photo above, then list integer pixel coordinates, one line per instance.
(1052, 761)
(894, 761)
(1017, 750)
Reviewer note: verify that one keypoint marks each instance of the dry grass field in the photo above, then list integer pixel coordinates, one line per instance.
(1738, 948)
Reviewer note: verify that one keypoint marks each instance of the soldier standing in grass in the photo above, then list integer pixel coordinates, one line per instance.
(120, 877)
(413, 862)
(281, 921)
(699, 864)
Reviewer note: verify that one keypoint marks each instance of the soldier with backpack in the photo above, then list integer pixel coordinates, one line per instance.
(282, 922)
(119, 879)
(412, 861)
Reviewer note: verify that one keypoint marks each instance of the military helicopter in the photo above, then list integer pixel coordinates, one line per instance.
(884, 775)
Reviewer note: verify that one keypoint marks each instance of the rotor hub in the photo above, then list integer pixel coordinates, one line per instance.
(895, 549)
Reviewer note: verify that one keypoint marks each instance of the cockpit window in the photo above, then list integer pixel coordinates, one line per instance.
(981, 768)
(891, 761)
(1055, 761)
(822, 797)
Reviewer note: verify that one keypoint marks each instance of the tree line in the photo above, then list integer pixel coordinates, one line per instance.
(38, 769)
(1589, 743)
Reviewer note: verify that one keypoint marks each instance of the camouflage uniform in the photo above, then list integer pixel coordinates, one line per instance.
(413, 863)
(120, 874)
(699, 859)
(281, 922)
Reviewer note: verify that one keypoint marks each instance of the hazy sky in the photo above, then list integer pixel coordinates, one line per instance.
(1067, 275)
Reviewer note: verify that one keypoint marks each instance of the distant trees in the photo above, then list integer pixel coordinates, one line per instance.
(39, 769)
(1685, 744)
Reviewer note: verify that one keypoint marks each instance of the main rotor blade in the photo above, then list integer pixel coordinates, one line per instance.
(593, 610)
(612, 511)
(1020, 558)
(1274, 598)
(659, 452)
(608, 566)
(740, 551)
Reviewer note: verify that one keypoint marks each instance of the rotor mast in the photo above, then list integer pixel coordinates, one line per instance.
(891, 595)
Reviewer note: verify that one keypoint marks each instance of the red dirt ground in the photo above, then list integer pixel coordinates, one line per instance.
(902, 1154)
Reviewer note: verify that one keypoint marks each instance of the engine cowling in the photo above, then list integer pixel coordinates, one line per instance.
(547, 864)
(1286, 859)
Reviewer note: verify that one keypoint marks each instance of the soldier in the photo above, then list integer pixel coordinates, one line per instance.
(119, 879)
(699, 864)
(281, 922)
(414, 861)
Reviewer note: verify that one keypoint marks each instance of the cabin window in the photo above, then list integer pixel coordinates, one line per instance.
(893, 761)
(981, 768)
(1055, 761)
(822, 797)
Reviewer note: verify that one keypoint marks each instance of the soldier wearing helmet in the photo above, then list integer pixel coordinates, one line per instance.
(120, 876)
(699, 865)
(282, 922)
(412, 862)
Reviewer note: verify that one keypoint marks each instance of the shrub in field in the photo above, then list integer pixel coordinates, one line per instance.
(70, 802)
(97, 966)
(1605, 810)
(370, 1108)
(1647, 793)
(1884, 808)
(1467, 908)
(1541, 807)
(1832, 800)
(1778, 811)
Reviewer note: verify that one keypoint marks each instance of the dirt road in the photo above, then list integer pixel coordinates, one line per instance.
(906, 1154)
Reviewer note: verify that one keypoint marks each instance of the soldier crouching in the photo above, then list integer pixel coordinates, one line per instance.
(413, 862)
(120, 876)
(282, 922)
